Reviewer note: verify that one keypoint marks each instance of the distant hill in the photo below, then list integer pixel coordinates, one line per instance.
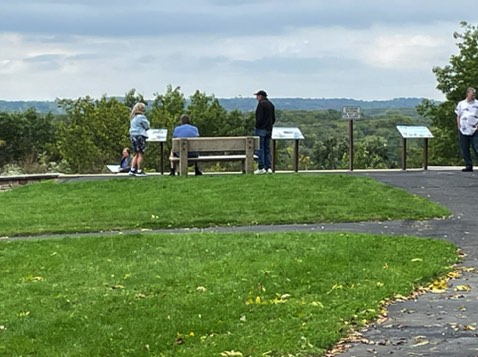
(248, 104)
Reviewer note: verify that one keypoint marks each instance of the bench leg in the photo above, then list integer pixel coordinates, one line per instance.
(249, 162)
(183, 157)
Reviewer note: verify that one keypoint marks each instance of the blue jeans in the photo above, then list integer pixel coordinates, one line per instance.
(465, 142)
(264, 152)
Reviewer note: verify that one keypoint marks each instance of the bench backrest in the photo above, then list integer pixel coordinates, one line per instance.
(210, 144)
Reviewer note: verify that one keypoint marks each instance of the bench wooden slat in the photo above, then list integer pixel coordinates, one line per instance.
(234, 143)
(211, 158)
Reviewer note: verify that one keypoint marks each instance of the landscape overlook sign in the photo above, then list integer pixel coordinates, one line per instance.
(411, 132)
(158, 135)
(286, 133)
(351, 113)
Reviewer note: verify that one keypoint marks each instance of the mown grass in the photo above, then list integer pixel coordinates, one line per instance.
(171, 202)
(202, 294)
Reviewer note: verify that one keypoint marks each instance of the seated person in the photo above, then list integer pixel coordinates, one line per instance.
(186, 130)
(125, 163)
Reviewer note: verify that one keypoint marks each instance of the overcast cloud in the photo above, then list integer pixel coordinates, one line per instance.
(304, 48)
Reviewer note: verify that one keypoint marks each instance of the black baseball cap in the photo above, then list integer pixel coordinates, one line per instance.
(261, 92)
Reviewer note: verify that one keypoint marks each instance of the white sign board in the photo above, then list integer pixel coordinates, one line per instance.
(286, 133)
(411, 132)
(351, 113)
(159, 135)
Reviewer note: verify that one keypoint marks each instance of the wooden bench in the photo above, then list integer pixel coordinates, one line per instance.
(234, 148)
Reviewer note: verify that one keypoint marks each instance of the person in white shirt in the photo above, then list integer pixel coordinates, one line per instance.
(467, 122)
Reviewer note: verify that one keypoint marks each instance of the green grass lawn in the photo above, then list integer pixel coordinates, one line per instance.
(171, 202)
(202, 294)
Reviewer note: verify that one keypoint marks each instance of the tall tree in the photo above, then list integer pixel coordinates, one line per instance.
(208, 114)
(165, 112)
(25, 136)
(453, 80)
(94, 132)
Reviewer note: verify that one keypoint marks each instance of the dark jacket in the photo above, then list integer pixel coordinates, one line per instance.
(265, 115)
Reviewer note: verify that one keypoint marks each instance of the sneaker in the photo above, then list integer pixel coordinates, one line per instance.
(467, 169)
(140, 174)
(260, 172)
(269, 171)
(132, 172)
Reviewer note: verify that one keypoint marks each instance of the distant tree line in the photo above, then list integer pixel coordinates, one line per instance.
(247, 104)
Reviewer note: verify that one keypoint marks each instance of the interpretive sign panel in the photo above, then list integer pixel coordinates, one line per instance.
(412, 132)
(158, 135)
(287, 133)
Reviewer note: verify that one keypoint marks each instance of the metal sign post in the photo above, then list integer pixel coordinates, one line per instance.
(351, 113)
(414, 132)
(159, 135)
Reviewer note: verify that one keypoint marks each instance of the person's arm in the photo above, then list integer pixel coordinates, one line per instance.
(273, 114)
(146, 124)
(458, 112)
(260, 118)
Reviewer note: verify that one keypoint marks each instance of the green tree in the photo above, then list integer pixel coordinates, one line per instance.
(25, 137)
(165, 112)
(328, 153)
(453, 80)
(93, 133)
(208, 114)
(132, 97)
(371, 153)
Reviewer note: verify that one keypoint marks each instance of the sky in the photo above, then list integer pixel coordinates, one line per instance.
(367, 50)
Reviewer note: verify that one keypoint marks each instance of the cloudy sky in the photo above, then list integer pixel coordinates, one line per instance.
(368, 49)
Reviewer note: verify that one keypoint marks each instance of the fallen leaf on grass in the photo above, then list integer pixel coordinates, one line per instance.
(31, 278)
(231, 353)
(400, 298)
(453, 275)
(117, 287)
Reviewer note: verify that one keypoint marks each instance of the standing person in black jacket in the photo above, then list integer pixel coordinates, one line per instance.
(265, 119)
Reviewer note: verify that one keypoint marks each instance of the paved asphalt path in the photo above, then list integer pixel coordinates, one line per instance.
(433, 324)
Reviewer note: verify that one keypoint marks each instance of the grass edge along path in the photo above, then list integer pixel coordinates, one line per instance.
(175, 202)
(203, 294)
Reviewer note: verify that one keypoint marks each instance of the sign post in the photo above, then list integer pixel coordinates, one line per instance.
(159, 135)
(351, 113)
(286, 134)
(414, 132)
